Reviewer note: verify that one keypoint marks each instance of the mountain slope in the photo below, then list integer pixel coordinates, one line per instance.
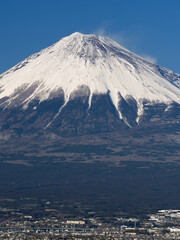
(66, 80)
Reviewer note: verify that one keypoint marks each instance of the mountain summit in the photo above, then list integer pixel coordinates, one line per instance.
(79, 72)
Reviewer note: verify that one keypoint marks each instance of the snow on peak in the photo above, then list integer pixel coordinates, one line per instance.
(95, 61)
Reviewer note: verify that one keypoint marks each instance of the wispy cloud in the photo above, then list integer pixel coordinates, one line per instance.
(100, 32)
(118, 37)
(149, 58)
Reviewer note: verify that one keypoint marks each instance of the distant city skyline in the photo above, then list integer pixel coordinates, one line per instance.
(148, 28)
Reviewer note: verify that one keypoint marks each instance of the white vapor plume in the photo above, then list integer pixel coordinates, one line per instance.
(118, 37)
(149, 58)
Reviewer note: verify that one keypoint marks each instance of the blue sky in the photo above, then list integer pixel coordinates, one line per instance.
(150, 28)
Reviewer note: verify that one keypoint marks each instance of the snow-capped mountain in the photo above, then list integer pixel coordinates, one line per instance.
(88, 67)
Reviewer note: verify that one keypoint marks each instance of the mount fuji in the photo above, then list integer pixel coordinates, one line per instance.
(87, 84)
